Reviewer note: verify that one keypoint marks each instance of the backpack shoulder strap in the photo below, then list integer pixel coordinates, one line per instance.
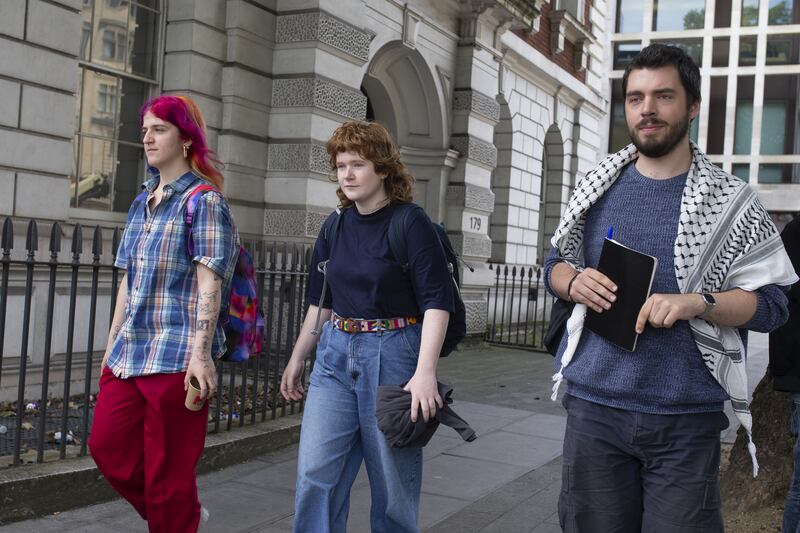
(398, 231)
(191, 205)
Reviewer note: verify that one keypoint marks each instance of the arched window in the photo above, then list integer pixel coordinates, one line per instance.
(120, 67)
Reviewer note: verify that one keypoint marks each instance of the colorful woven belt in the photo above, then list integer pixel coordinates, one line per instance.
(355, 325)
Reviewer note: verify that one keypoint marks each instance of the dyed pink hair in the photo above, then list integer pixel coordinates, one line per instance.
(183, 113)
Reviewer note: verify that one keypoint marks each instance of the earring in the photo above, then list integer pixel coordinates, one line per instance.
(185, 150)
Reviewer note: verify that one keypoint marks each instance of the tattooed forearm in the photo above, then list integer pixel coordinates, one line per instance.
(208, 302)
(203, 325)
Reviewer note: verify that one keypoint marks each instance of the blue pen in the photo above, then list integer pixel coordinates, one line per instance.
(610, 232)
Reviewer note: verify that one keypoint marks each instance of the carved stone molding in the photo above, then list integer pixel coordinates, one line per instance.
(321, 93)
(314, 222)
(476, 245)
(471, 197)
(476, 315)
(298, 157)
(476, 149)
(293, 222)
(284, 222)
(326, 29)
(477, 102)
(565, 27)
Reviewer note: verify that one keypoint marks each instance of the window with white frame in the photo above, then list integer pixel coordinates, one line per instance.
(749, 122)
(119, 70)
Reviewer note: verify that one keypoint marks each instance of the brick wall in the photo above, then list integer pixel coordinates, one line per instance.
(541, 41)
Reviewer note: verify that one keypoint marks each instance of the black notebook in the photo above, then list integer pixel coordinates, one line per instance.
(633, 274)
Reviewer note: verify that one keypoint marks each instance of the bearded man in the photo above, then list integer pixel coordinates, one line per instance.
(641, 448)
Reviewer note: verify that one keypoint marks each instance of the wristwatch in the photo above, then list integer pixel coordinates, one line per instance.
(710, 302)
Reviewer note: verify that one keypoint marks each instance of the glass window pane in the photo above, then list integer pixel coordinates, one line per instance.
(134, 94)
(99, 96)
(692, 47)
(722, 14)
(717, 107)
(784, 12)
(780, 121)
(629, 16)
(619, 137)
(720, 52)
(96, 164)
(786, 173)
(741, 171)
(624, 53)
(111, 33)
(670, 15)
(743, 132)
(783, 49)
(747, 50)
(109, 162)
(750, 12)
(144, 43)
(128, 176)
(694, 129)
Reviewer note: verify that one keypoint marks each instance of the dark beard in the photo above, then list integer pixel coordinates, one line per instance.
(654, 148)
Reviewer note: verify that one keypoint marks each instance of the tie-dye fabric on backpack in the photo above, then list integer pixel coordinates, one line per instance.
(242, 319)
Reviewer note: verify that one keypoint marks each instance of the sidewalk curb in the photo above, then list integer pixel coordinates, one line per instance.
(37, 490)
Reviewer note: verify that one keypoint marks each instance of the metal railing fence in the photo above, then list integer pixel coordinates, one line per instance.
(518, 307)
(46, 415)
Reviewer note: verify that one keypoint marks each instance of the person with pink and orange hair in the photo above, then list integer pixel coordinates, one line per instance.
(165, 328)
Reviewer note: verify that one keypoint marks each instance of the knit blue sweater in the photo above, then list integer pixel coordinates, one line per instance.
(666, 373)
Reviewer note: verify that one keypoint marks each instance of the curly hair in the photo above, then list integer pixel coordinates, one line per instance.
(373, 142)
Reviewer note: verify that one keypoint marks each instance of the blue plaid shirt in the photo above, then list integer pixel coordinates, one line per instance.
(160, 313)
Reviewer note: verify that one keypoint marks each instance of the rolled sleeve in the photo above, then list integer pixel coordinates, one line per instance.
(121, 259)
(771, 311)
(553, 258)
(213, 235)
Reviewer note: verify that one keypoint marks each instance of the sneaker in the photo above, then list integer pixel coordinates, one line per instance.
(203, 516)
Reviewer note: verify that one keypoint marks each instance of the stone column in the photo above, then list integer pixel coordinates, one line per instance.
(220, 54)
(317, 67)
(469, 197)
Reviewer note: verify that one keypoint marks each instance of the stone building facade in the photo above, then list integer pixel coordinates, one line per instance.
(498, 107)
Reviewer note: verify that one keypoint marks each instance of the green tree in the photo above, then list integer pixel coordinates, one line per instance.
(780, 14)
(694, 19)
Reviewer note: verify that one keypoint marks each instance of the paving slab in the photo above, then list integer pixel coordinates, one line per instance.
(466, 478)
(511, 449)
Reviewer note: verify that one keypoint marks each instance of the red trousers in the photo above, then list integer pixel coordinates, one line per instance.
(147, 444)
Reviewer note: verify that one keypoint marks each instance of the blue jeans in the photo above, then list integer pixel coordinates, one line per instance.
(340, 430)
(791, 512)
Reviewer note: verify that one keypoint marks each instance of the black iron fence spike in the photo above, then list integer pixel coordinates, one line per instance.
(97, 241)
(77, 240)
(55, 238)
(32, 239)
(115, 242)
(7, 242)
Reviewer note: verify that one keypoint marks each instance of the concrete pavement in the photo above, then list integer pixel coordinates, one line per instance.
(505, 481)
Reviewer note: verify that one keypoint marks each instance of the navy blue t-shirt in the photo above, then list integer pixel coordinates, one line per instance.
(364, 278)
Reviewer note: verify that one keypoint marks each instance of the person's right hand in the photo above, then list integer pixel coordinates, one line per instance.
(291, 382)
(593, 288)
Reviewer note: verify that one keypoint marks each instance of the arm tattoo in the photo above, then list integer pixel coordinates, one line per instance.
(208, 301)
(203, 325)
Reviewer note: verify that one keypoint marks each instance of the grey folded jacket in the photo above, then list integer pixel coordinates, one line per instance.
(393, 410)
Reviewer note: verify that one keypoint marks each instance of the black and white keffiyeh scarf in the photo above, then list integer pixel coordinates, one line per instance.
(725, 241)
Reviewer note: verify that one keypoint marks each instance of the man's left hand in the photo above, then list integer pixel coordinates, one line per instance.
(663, 310)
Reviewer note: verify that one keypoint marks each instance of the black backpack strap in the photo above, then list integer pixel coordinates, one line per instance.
(398, 231)
(330, 230)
